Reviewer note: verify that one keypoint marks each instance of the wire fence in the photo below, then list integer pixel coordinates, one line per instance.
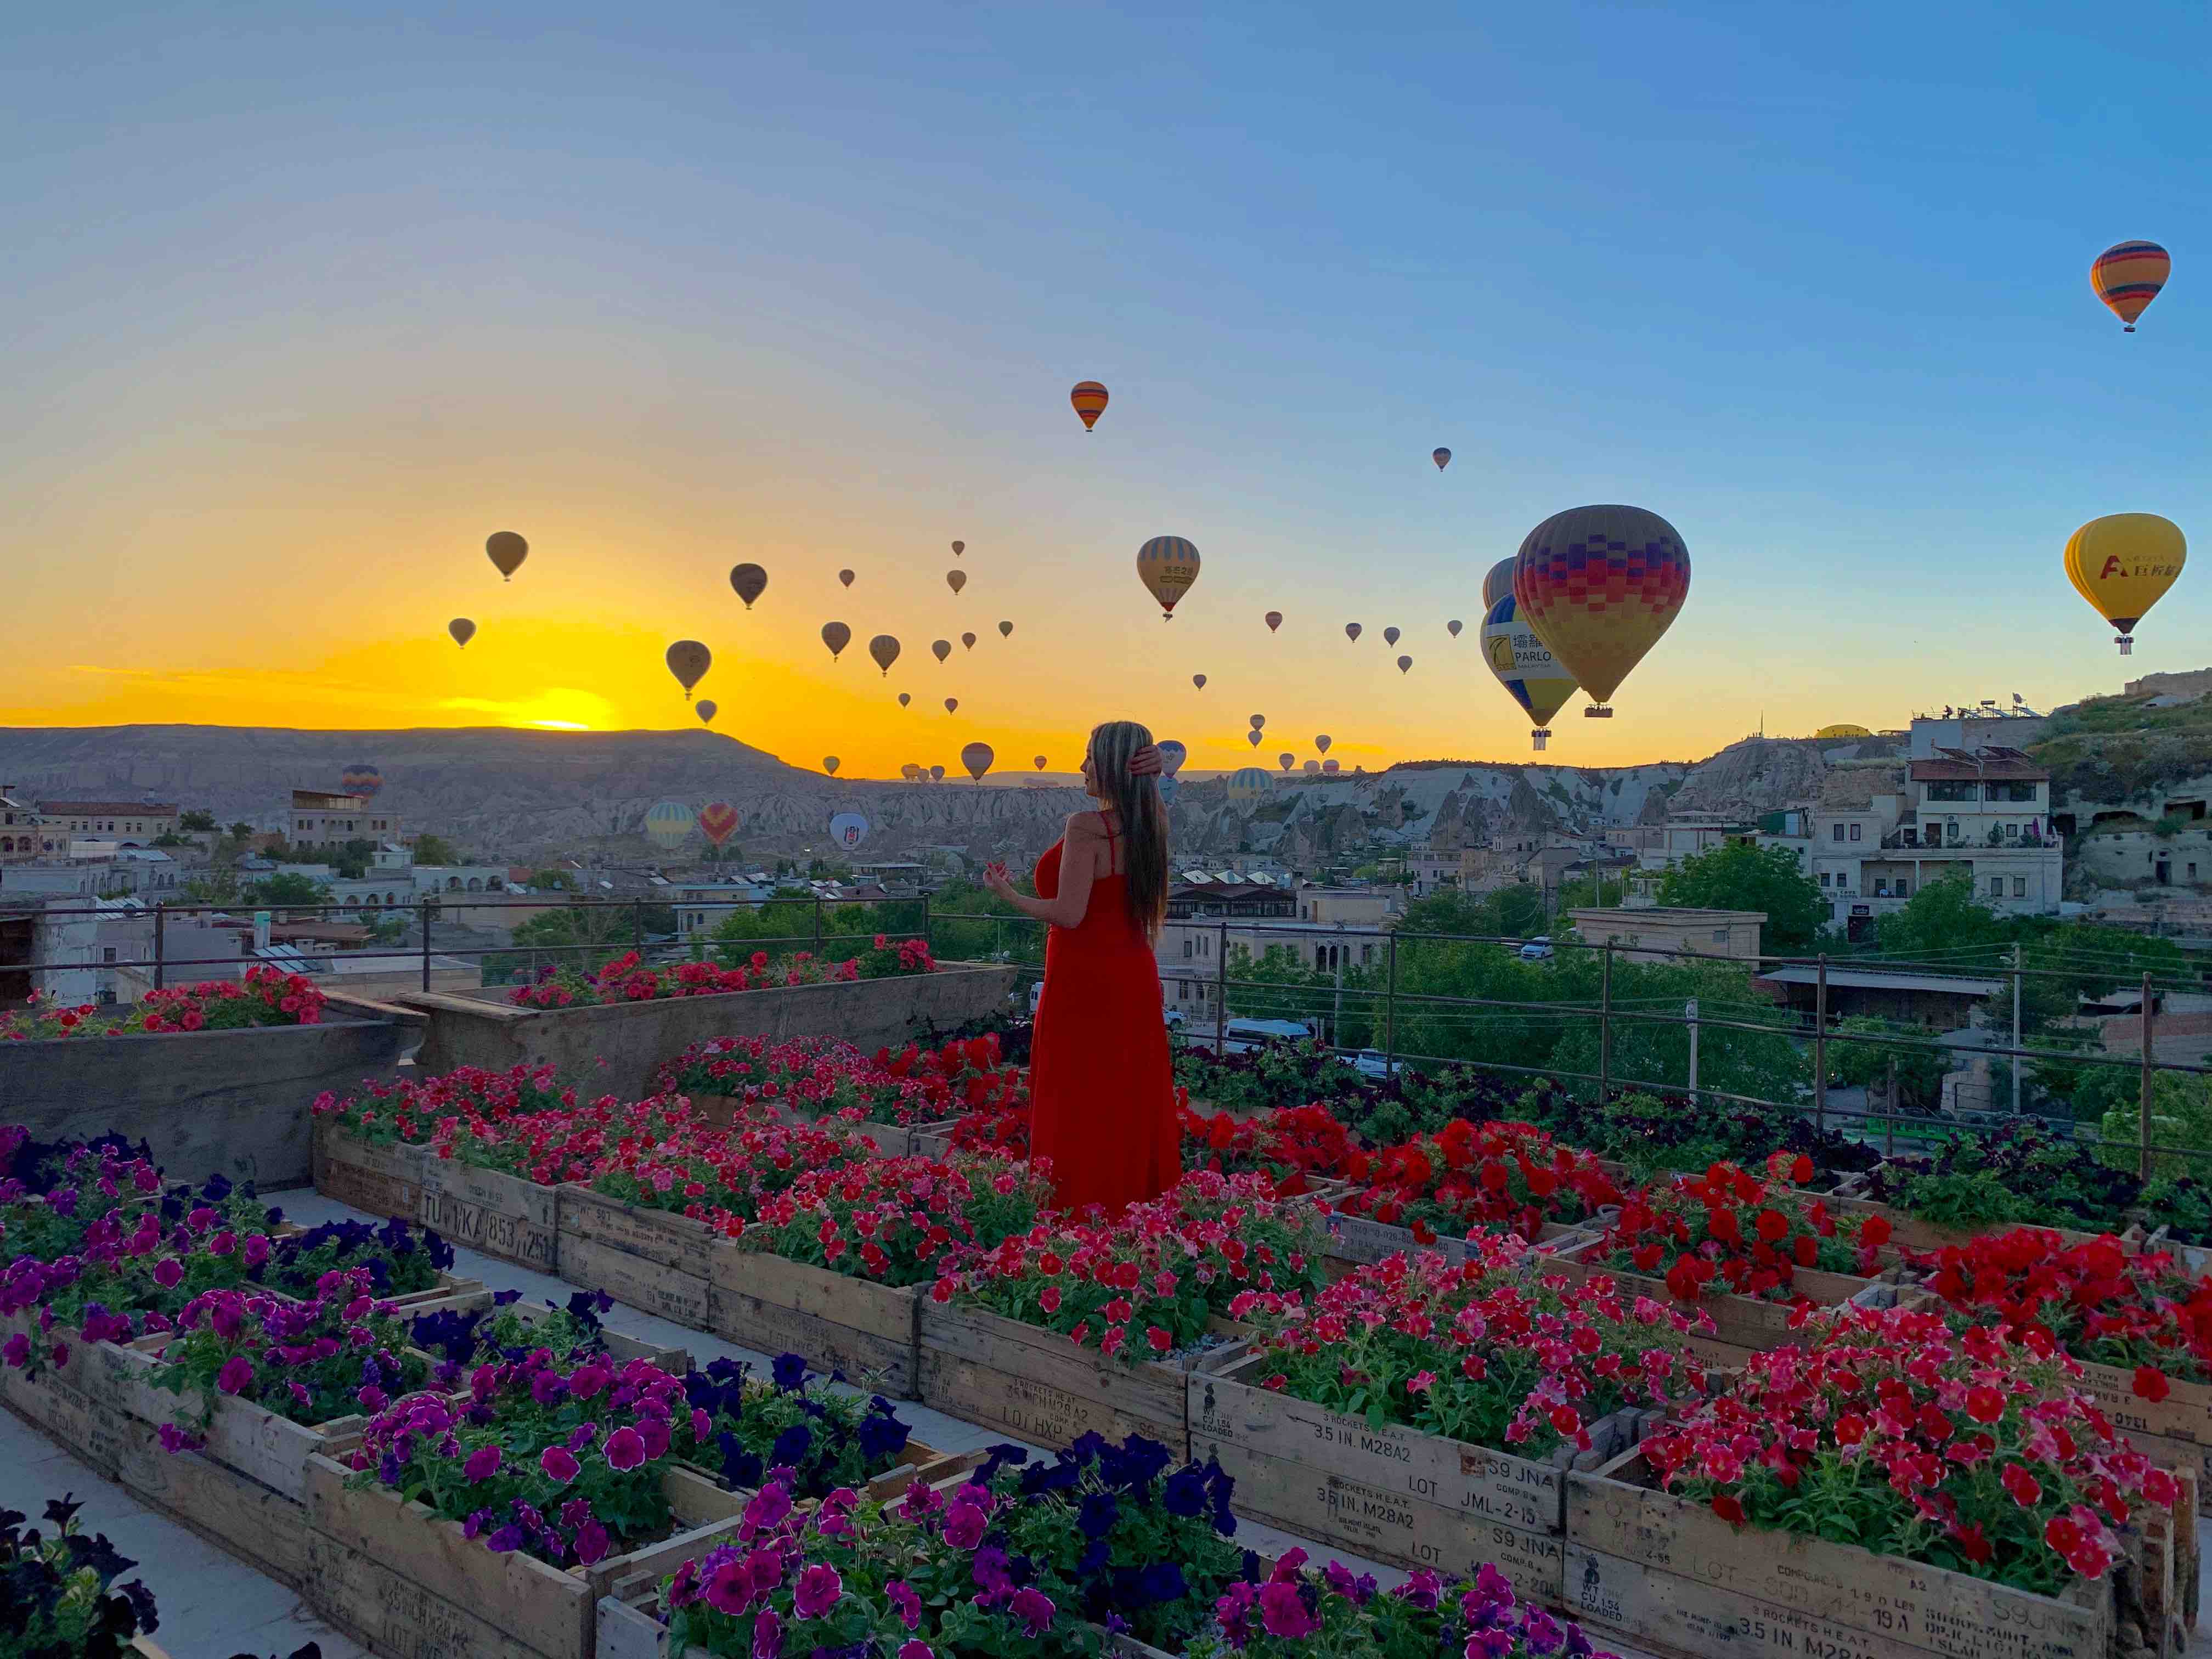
(590, 931)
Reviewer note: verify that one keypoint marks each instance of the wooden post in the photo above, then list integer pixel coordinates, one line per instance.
(160, 915)
(1390, 1017)
(1605, 1027)
(2143, 1104)
(1821, 1047)
(423, 916)
(1221, 993)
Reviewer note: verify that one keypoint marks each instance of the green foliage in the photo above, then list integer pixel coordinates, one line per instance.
(1943, 920)
(552, 881)
(2112, 748)
(2180, 1115)
(284, 889)
(434, 849)
(1743, 877)
(242, 830)
(198, 818)
(606, 931)
(1920, 1065)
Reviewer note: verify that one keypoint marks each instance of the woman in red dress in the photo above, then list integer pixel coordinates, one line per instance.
(1102, 1088)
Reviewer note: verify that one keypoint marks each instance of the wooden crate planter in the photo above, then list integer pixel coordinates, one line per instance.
(675, 1361)
(1393, 1493)
(654, 1260)
(1358, 1239)
(1911, 1232)
(2175, 1432)
(831, 1320)
(381, 1181)
(1041, 1388)
(501, 1214)
(1671, 1577)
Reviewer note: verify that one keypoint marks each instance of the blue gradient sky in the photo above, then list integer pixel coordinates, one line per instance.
(297, 307)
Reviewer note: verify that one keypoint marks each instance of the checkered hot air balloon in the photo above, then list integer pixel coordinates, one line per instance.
(1599, 585)
(2128, 276)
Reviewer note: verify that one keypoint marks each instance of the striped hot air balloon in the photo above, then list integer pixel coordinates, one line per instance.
(1599, 585)
(1168, 567)
(718, 822)
(2128, 276)
(1090, 400)
(361, 778)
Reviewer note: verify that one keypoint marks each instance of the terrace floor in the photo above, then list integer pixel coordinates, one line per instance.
(214, 1607)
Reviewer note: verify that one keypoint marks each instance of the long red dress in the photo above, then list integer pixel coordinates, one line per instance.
(1102, 1088)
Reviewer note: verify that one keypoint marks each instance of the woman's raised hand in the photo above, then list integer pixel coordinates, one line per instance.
(995, 878)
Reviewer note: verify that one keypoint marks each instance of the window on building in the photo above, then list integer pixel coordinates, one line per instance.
(1190, 947)
(1903, 888)
(1720, 936)
(1854, 832)
(2192, 876)
(1366, 953)
(1823, 877)
(107, 953)
(1951, 791)
(1839, 832)
(1997, 886)
(2019, 886)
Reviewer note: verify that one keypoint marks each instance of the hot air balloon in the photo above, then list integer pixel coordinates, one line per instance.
(1525, 667)
(668, 824)
(462, 629)
(1441, 457)
(940, 649)
(885, 649)
(1199, 680)
(1287, 758)
(1275, 619)
(1497, 584)
(936, 774)
(1005, 630)
(1172, 756)
(1389, 636)
(829, 764)
(837, 636)
(1167, 565)
(1040, 762)
(905, 697)
(361, 778)
(748, 582)
(956, 579)
(1313, 766)
(968, 640)
(2127, 277)
(1599, 585)
(1322, 743)
(977, 758)
(689, 660)
(1329, 766)
(1090, 400)
(849, 830)
(1839, 733)
(1247, 783)
(2123, 564)
(1253, 737)
(1351, 632)
(910, 772)
(846, 577)
(506, 550)
(1259, 722)
(718, 822)
(952, 705)
(958, 548)
(707, 709)
(1405, 664)
(1453, 627)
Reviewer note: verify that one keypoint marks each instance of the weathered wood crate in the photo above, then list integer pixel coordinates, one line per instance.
(1673, 1578)
(1392, 1493)
(831, 1320)
(934, 1139)
(501, 1214)
(2175, 1432)
(383, 1181)
(1038, 1386)
(1911, 1232)
(654, 1260)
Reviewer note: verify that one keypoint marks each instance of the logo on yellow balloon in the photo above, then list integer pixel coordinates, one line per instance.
(1500, 647)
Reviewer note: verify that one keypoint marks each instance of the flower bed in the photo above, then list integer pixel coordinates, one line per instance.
(1899, 1490)
(58, 1595)
(1424, 1412)
(265, 996)
(1073, 1330)
(370, 1148)
(461, 1330)
(735, 1079)
(1299, 1148)
(1430, 1190)
(626, 979)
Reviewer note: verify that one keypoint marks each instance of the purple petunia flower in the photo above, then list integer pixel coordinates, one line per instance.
(236, 1373)
(1282, 1612)
(901, 1594)
(508, 1537)
(817, 1591)
(964, 1525)
(558, 1465)
(592, 1543)
(768, 1635)
(483, 1463)
(625, 1449)
(1033, 1607)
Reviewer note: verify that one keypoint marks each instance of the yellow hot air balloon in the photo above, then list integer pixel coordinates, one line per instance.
(463, 631)
(748, 582)
(2127, 277)
(1599, 585)
(707, 710)
(846, 577)
(905, 697)
(507, 550)
(689, 660)
(1275, 619)
(1389, 636)
(1199, 680)
(1167, 565)
(1005, 630)
(2123, 564)
(968, 640)
(1090, 400)
(829, 764)
(885, 649)
(1526, 668)
(1351, 632)
(1323, 742)
(940, 649)
(1845, 730)
(958, 548)
(1497, 584)
(952, 705)
(1404, 664)
(1040, 762)
(977, 758)
(956, 579)
(837, 636)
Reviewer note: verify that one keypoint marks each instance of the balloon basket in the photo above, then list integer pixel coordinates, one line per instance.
(1598, 712)
(2127, 644)
(1540, 740)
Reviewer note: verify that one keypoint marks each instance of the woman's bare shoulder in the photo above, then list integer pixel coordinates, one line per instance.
(1086, 826)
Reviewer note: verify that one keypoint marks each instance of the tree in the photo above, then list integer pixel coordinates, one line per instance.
(286, 889)
(554, 937)
(217, 885)
(999, 933)
(1743, 877)
(1944, 921)
(198, 818)
(1920, 1067)
(434, 849)
(171, 838)
(242, 831)
(352, 860)
(2180, 1115)
(552, 881)
(1768, 1063)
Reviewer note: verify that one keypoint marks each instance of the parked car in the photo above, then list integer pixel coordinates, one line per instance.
(1537, 950)
(1371, 1062)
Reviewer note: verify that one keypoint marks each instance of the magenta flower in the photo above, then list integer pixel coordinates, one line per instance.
(237, 1371)
(768, 1635)
(726, 1589)
(768, 1506)
(17, 1353)
(558, 1464)
(167, 1272)
(964, 1526)
(592, 1543)
(1034, 1608)
(483, 1463)
(625, 1449)
(914, 1649)
(901, 1594)
(256, 1249)
(1282, 1612)
(586, 1382)
(817, 1591)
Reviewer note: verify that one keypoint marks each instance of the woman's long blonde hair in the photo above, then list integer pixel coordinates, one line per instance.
(1144, 819)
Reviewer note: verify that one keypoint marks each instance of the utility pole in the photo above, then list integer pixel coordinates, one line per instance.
(2015, 1028)
(1690, 1012)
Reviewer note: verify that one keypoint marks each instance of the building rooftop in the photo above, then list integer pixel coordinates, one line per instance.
(87, 808)
(1688, 914)
(1867, 979)
(1949, 765)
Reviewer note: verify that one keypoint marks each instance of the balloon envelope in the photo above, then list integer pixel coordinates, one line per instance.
(1006, 629)
(1323, 742)
(707, 709)
(1599, 585)
(958, 548)
(1525, 665)
(1329, 766)
(2123, 564)
(905, 697)
(361, 778)
(1497, 584)
(936, 774)
(1167, 565)
(462, 629)
(968, 640)
(1352, 631)
(689, 660)
(1286, 758)
(977, 758)
(1313, 766)
(951, 705)
(956, 579)
(829, 764)
(1404, 663)
(846, 577)
(1253, 737)
(668, 822)
(1453, 627)
(885, 649)
(1090, 400)
(849, 830)
(2128, 276)
(506, 550)
(1441, 457)
(837, 636)
(1199, 680)
(1259, 722)
(1247, 783)
(1389, 636)
(748, 582)
(940, 649)
(1172, 756)
(1040, 762)
(1275, 619)
(718, 822)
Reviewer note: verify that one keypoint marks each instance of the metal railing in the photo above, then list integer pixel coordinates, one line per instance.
(1020, 938)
